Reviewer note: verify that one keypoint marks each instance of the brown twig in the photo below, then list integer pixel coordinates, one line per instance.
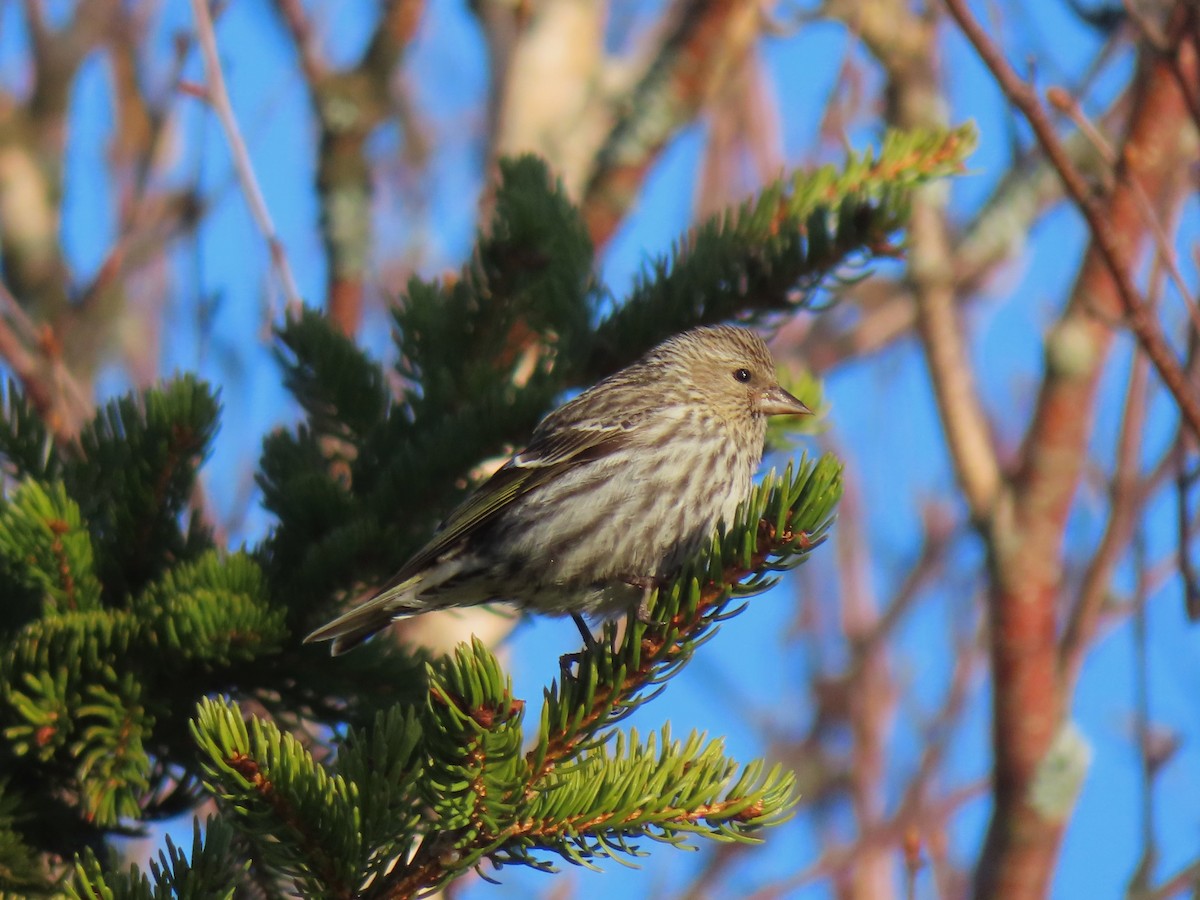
(304, 36)
(1184, 480)
(1166, 255)
(62, 404)
(349, 105)
(1169, 46)
(868, 694)
(1142, 733)
(705, 41)
(1186, 879)
(1127, 500)
(887, 834)
(1112, 249)
(966, 427)
(218, 98)
(1177, 459)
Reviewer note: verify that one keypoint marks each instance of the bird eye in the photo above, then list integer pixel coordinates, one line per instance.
(742, 375)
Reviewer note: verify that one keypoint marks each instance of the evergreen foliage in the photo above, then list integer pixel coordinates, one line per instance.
(143, 669)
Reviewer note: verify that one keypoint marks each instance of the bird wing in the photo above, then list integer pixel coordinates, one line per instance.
(552, 452)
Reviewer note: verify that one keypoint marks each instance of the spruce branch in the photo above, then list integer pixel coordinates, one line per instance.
(134, 479)
(300, 819)
(211, 614)
(473, 739)
(773, 252)
(335, 382)
(25, 441)
(382, 764)
(64, 708)
(46, 546)
(662, 789)
(46, 669)
(112, 764)
(522, 305)
(209, 871)
(21, 869)
(775, 529)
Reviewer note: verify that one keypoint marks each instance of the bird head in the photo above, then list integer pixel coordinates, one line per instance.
(730, 371)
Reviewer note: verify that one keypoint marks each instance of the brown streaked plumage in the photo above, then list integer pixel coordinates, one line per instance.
(617, 488)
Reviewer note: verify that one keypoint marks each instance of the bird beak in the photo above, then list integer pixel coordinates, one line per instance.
(775, 401)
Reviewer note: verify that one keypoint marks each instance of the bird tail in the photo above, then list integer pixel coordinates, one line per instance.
(351, 628)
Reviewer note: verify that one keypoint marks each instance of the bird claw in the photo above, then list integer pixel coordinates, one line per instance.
(566, 662)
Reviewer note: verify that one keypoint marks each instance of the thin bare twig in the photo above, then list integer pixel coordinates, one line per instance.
(304, 35)
(869, 693)
(886, 834)
(218, 97)
(1144, 327)
(1162, 243)
(1176, 458)
(703, 42)
(1187, 879)
(1127, 499)
(1141, 693)
(968, 434)
(47, 382)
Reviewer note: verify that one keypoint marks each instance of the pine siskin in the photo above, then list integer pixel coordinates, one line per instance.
(617, 488)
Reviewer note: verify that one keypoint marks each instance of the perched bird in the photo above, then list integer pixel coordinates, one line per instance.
(617, 488)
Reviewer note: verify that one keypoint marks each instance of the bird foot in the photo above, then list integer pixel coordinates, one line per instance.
(567, 662)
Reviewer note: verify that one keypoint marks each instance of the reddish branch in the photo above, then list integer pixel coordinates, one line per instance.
(707, 42)
(349, 104)
(659, 653)
(218, 98)
(1128, 497)
(1110, 243)
(869, 699)
(1025, 536)
(884, 835)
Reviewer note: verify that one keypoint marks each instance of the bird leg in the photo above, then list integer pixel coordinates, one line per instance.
(648, 584)
(589, 639)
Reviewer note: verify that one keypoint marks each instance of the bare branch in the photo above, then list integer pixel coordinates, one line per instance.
(1107, 241)
(349, 104)
(1025, 538)
(1127, 499)
(218, 98)
(50, 387)
(706, 41)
